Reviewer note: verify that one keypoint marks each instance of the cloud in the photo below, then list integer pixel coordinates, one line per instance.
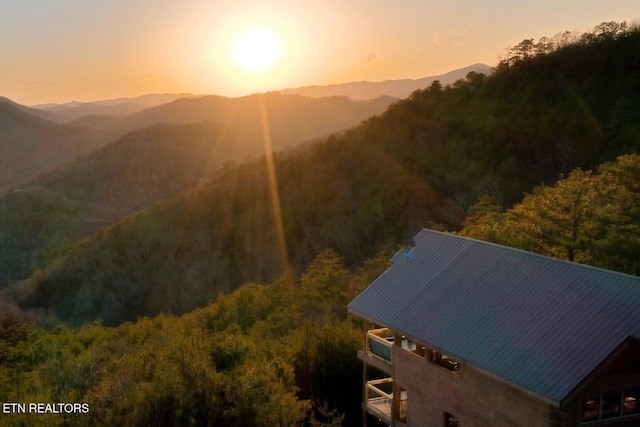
(369, 58)
(455, 37)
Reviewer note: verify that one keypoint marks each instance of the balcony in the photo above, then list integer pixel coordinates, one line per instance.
(380, 342)
(379, 400)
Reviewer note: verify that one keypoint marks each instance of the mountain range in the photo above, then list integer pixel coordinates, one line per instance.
(35, 139)
(30, 145)
(117, 107)
(424, 162)
(401, 88)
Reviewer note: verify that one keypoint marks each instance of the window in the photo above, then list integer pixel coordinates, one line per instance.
(450, 420)
(402, 408)
(589, 409)
(609, 405)
(630, 403)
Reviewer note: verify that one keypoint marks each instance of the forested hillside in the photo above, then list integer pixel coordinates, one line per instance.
(275, 355)
(545, 111)
(146, 165)
(129, 175)
(423, 162)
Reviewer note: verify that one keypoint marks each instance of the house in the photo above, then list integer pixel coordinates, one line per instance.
(459, 332)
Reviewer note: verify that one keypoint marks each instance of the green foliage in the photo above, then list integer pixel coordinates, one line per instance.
(482, 219)
(591, 218)
(256, 357)
(324, 287)
(34, 226)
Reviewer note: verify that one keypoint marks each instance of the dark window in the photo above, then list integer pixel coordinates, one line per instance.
(611, 405)
(450, 420)
(589, 409)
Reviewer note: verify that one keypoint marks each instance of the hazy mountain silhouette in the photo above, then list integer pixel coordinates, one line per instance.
(117, 107)
(43, 114)
(395, 88)
(30, 144)
(291, 118)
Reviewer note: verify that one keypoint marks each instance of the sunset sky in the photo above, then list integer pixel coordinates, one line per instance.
(65, 50)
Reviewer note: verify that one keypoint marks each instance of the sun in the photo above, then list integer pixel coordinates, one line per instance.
(257, 50)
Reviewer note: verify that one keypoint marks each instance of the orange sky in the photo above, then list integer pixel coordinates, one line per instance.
(64, 50)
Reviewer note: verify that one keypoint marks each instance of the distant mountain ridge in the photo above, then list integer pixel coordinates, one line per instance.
(292, 118)
(30, 145)
(361, 91)
(43, 114)
(117, 107)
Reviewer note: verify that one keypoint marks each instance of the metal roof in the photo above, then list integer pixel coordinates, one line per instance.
(539, 322)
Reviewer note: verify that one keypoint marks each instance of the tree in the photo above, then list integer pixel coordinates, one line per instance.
(591, 218)
(475, 79)
(609, 30)
(483, 220)
(524, 50)
(545, 45)
(324, 287)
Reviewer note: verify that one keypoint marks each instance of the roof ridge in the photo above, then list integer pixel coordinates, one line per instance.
(533, 254)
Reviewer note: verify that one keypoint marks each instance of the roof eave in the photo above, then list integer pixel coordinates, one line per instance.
(538, 396)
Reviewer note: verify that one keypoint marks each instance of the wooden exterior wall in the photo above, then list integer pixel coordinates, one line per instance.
(474, 398)
(478, 399)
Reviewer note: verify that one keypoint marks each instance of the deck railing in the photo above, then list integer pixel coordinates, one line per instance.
(379, 397)
(380, 342)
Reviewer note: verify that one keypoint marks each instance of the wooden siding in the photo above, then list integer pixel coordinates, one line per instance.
(474, 398)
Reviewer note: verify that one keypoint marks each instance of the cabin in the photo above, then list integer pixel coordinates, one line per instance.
(460, 332)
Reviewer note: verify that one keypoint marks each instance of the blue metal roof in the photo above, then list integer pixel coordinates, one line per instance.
(539, 322)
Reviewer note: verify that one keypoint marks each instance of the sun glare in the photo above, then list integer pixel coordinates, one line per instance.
(257, 50)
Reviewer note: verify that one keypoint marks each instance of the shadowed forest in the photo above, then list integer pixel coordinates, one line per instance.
(165, 288)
